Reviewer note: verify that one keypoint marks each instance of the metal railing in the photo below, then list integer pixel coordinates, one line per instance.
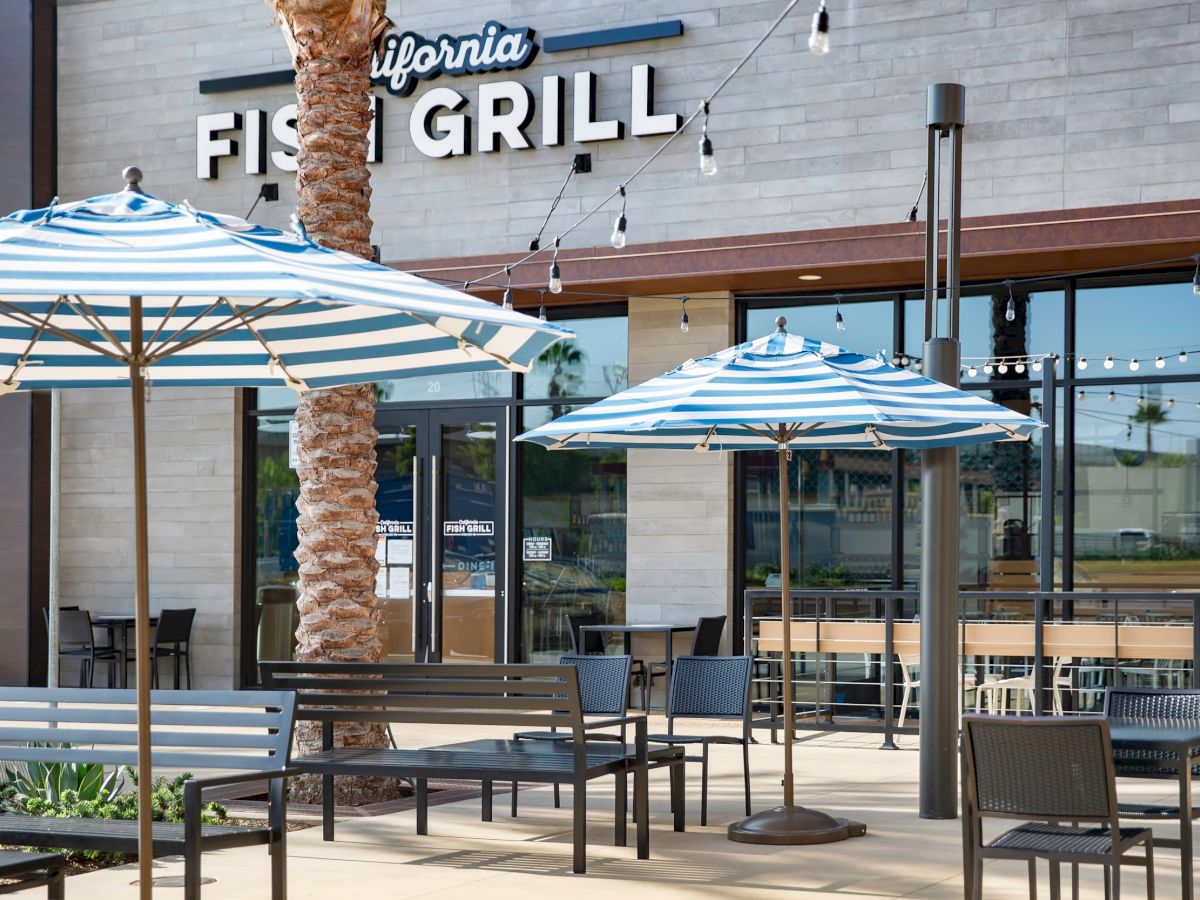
(1052, 651)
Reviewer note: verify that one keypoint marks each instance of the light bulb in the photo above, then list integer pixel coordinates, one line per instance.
(987, 368)
(1002, 368)
(1171, 403)
(1108, 361)
(555, 279)
(708, 162)
(542, 313)
(1141, 401)
(896, 362)
(839, 322)
(1134, 365)
(1159, 362)
(818, 41)
(1082, 363)
(918, 366)
(1182, 357)
(683, 323)
(972, 371)
(1020, 367)
(508, 298)
(1037, 365)
(1112, 396)
(1196, 279)
(904, 360)
(1080, 395)
(1010, 312)
(618, 235)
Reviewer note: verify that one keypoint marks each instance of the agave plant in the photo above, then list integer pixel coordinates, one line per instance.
(46, 781)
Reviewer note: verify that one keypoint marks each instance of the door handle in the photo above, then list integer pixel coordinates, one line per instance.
(435, 607)
(414, 590)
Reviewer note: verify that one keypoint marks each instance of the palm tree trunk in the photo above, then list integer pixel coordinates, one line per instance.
(331, 43)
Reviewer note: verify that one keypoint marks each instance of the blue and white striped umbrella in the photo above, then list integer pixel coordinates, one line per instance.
(786, 389)
(225, 302)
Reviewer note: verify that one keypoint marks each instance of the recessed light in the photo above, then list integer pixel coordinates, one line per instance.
(810, 277)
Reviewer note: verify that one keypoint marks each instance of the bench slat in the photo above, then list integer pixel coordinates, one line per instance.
(440, 717)
(430, 685)
(128, 716)
(123, 696)
(168, 759)
(437, 670)
(120, 835)
(424, 701)
(109, 736)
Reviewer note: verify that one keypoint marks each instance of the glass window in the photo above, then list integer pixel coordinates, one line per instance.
(423, 389)
(594, 364)
(986, 332)
(572, 539)
(1137, 487)
(868, 323)
(1166, 322)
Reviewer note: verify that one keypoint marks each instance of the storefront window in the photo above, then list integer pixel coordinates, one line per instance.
(868, 323)
(1166, 322)
(572, 539)
(593, 364)
(424, 389)
(276, 489)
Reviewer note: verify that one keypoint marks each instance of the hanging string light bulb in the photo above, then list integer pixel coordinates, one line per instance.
(1141, 401)
(838, 322)
(708, 162)
(1112, 396)
(542, 305)
(818, 41)
(508, 297)
(1082, 364)
(1020, 367)
(1010, 311)
(1037, 365)
(1182, 357)
(972, 371)
(905, 359)
(987, 368)
(1108, 361)
(1159, 362)
(618, 235)
(1171, 403)
(1134, 365)
(1196, 278)
(683, 319)
(555, 284)
(1080, 396)
(1002, 368)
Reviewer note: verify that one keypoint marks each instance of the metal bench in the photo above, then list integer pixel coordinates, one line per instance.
(514, 697)
(26, 870)
(246, 735)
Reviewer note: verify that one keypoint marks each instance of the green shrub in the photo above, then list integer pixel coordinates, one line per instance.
(49, 781)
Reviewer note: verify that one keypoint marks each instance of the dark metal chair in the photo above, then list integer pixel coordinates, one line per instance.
(603, 683)
(1166, 705)
(591, 643)
(1047, 770)
(76, 640)
(710, 687)
(172, 640)
(706, 641)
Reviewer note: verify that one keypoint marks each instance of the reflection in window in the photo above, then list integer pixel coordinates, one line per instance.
(593, 364)
(868, 323)
(572, 511)
(275, 539)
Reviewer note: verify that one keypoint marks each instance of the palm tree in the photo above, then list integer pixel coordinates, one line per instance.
(563, 361)
(1150, 415)
(331, 43)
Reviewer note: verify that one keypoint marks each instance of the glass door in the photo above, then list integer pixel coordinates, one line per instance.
(440, 536)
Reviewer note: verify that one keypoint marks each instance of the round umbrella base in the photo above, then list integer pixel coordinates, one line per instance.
(794, 825)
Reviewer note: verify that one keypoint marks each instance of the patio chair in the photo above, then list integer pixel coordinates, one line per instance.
(76, 640)
(1137, 703)
(710, 687)
(994, 694)
(603, 682)
(907, 665)
(591, 643)
(706, 641)
(1047, 770)
(172, 640)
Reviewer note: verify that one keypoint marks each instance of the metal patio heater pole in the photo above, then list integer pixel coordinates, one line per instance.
(939, 477)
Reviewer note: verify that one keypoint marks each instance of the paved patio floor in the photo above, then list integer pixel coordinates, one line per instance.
(529, 857)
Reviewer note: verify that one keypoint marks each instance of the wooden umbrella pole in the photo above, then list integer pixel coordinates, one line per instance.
(141, 602)
(786, 603)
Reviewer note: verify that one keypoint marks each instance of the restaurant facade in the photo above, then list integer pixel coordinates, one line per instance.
(499, 122)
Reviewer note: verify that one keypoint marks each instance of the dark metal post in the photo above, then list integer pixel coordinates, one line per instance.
(939, 481)
(1045, 534)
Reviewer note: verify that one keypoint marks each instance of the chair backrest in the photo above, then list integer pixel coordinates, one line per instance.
(592, 642)
(225, 730)
(709, 687)
(1050, 768)
(75, 627)
(174, 626)
(707, 639)
(603, 682)
(1143, 703)
(907, 665)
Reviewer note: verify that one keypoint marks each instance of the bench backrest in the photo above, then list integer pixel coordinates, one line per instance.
(189, 730)
(525, 696)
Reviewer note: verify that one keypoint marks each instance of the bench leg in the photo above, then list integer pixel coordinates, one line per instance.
(514, 799)
(54, 882)
(191, 870)
(327, 807)
(422, 806)
(278, 845)
(486, 804)
(677, 795)
(704, 784)
(620, 812)
(641, 799)
(579, 811)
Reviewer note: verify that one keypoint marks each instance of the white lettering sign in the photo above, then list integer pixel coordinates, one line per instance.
(409, 57)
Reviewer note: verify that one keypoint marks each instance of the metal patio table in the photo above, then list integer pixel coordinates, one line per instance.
(120, 623)
(627, 632)
(1180, 738)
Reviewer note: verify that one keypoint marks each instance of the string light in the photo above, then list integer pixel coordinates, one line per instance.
(1002, 368)
(1159, 362)
(555, 284)
(1196, 278)
(708, 162)
(1134, 365)
(1182, 357)
(972, 371)
(1108, 361)
(508, 300)
(987, 368)
(838, 321)
(1082, 364)
(618, 234)
(683, 319)
(1020, 367)
(918, 366)
(1171, 403)
(1037, 365)
(542, 305)
(905, 359)
(1112, 396)
(1080, 396)
(1010, 311)
(818, 41)
(1141, 401)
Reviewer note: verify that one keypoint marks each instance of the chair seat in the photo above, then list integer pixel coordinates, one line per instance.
(99, 652)
(1153, 811)
(693, 739)
(1040, 838)
(563, 736)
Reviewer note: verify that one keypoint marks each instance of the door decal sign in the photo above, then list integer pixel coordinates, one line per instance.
(536, 549)
(468, 527)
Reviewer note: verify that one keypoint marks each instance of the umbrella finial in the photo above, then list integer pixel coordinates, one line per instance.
(781, 324)
(133, 179)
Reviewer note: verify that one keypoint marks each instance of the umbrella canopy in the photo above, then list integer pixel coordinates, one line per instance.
(124, 288)
(790, 389)
(785, 391)
(225, 302)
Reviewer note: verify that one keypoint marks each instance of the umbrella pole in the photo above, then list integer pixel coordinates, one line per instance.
(141, 629)
(790, 824)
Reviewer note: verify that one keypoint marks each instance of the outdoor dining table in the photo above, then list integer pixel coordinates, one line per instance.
(627, 632)
(119, 626)
(1179, 737)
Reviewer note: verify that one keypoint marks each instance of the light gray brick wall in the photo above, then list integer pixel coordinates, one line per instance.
(193, 457)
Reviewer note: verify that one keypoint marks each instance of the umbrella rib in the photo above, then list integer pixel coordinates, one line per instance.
(196, 318)
(37, 334)
(21, 317)
(163, 323)
(96, 322)
(254, 331)
(222, 328)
